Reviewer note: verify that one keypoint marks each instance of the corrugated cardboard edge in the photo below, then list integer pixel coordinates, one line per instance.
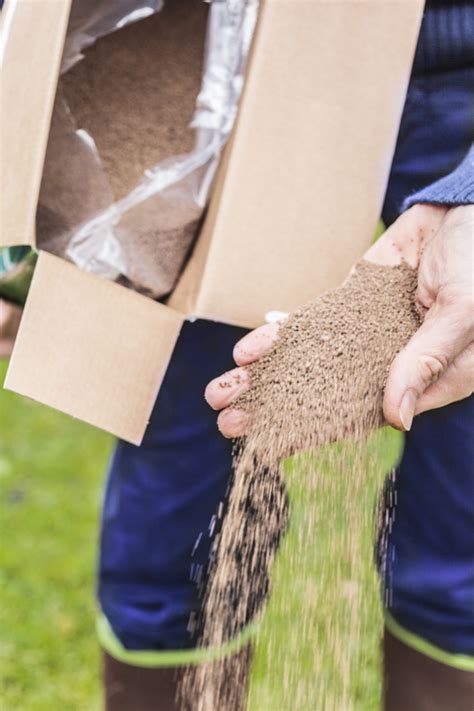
(32, 37)
(92, 349)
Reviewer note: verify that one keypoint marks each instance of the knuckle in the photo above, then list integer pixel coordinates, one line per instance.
(432, 367)
(460, 303)
(458, 294)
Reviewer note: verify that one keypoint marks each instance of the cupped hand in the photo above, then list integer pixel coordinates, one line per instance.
(436, 367)
(417, 238)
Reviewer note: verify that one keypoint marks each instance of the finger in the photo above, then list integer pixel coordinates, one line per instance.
(221, 391)
(255, 344)
(456, 384)
(233, 423)
(436, 344)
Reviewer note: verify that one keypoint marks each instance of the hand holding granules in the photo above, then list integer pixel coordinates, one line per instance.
(324, 378)
(322, 381)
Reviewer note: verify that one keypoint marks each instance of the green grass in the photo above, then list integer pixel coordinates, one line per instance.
(51, 474)
(51, 477)
(324, 570)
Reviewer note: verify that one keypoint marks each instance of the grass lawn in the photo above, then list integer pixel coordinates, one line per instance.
(51, 475)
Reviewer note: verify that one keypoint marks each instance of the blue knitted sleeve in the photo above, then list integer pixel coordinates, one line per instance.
(457, 188)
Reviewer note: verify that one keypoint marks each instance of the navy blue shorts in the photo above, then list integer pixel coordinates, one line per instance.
(161, 498)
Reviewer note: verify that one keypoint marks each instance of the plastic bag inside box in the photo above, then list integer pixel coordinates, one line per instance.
(125, 181)
(91, 19)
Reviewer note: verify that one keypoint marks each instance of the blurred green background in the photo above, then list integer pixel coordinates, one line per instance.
(51, 477)
(51, 474)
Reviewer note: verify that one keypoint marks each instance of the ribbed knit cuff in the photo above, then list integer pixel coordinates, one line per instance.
(457, 188)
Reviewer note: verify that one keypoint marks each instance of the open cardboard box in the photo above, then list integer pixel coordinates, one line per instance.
(295, 202)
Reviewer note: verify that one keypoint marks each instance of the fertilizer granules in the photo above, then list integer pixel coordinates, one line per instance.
(134, 93)
(322, 382)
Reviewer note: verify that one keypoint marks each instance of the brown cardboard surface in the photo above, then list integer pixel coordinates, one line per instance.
(295, 202)
(91, 348)
(29, 76)
(307, 170)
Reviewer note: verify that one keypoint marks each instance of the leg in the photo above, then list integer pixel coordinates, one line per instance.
(133, 688)
(158, 507)
(416, 681)
(429, 646)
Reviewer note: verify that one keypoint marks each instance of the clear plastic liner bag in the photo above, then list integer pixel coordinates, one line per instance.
(143, 239)
(74, 184)
(91, 19)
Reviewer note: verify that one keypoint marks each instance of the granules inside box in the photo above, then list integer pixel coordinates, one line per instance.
(135, 90)
(134, 93)
(323, 381)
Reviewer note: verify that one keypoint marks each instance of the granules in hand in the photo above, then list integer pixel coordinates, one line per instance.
(324, 379)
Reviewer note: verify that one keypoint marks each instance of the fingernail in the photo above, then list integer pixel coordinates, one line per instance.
(407, 409)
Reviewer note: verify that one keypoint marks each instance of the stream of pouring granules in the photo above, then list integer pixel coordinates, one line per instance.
(322, 382)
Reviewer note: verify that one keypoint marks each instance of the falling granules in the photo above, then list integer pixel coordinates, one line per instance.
(322, 382)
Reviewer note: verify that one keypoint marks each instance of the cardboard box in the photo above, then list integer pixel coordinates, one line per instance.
(295, 203)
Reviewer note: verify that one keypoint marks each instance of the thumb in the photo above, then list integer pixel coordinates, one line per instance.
(426, 357)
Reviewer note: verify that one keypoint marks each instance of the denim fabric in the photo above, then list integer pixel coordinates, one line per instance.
(161, 497)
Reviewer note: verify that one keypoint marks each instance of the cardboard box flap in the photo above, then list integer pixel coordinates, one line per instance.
(307, 170)
(92, 349)
(32, 42)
